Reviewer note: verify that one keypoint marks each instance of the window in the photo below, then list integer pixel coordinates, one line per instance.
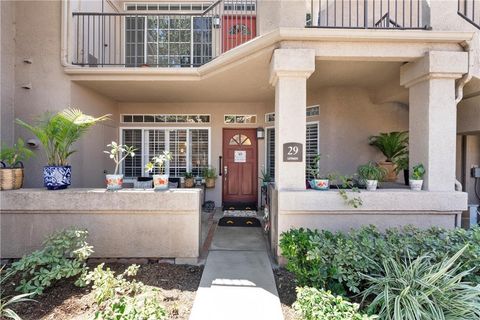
(237, 118)
(240, 140)
(310, 112)
(165, 118)
(189, 148)
(311, 147)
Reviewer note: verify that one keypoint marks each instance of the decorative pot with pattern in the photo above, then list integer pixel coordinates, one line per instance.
(114, 181)
(391, 172)
(416, 185)
(320, 184)
(57, 177)
(189, 182)
(160, 182)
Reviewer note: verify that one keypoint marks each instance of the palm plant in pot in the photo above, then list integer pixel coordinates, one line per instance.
(189, 179)
(401, 164)
(11, 173)
(57, 133)
(371, 174)
(210, 175)
(266, 178)
(416, 179)
(318, 182)
(118, 153)
(157, 164)
(393, 145)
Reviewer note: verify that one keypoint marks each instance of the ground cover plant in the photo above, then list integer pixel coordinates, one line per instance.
(336, 261)
(63, 255)
(318, 304)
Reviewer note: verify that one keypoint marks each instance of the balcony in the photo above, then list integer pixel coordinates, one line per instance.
(369, 14)
(470, 11)
(175, 39)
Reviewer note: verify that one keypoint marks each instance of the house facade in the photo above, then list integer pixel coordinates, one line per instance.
(251, 86)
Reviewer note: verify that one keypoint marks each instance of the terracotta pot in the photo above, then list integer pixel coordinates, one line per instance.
(210, 182)
(189, 182)
(391, 173)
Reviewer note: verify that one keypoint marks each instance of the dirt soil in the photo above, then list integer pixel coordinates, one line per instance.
(177, 283)
(286, 284)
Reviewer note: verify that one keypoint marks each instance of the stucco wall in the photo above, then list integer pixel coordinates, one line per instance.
(468, 116)
(7, 69)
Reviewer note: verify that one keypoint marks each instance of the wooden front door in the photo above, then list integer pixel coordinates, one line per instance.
(237, 29)
(240, 180)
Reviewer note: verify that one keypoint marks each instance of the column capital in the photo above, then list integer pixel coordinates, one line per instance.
(297, 63)
(435, 65)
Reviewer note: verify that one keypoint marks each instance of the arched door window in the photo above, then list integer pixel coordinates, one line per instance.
(240, 140)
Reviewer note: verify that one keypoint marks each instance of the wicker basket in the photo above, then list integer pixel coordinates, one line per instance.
(11, 178)
(210, 182)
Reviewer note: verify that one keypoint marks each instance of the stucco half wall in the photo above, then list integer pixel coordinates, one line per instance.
(387, 208)
(124, 224)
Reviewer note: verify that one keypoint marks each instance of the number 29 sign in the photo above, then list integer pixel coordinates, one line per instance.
(292, 152)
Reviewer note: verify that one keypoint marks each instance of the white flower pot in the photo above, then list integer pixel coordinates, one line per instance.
(416, 185)
(160, 182)
(114, 181)
(320, 184)
(371, 185)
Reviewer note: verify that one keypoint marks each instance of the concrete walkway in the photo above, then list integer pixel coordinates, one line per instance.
(237, 282)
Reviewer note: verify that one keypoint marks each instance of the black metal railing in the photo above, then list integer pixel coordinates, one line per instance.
(368, 14)
(470, 11)
(171, 39)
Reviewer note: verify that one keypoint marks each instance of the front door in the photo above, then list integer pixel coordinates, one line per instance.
(240, 180)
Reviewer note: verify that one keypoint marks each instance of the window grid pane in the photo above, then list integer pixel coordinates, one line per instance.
(132, 167)
(271, 152)
(198, 150)
(156, 145)
(311, 146)
(178, 149)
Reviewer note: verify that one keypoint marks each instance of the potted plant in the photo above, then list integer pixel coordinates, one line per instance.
(11, 173)
(401, 164)
(210, 175)
(371, 173)
(189, 179)
(118, 153)
(393, 145)
(318, 182)
(416, 180)
(57, 133)
(266, 178)
(160, 179)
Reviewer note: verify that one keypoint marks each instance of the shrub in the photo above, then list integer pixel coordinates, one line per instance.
(63, 256)
(335, 261)
(417, 289)
(118, 298)
(314, 304)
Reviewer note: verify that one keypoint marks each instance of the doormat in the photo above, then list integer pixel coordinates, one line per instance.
(240, 213)
(239, 206)
(239, 222)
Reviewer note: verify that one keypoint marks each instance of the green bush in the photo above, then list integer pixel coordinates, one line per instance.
(418, 289)
(63, 256)
(118, 298)
(314, 304)
(335, 261)
(6, 302)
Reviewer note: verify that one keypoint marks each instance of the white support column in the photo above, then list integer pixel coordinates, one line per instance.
(433, 114)
(290, 69)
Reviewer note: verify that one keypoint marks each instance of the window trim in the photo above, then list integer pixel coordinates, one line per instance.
(240, 115)
(145, 128)
(306, 110)
(165, 114)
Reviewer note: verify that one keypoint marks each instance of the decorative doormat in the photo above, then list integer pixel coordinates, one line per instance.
(239, 222)
(240, 213)
(239, 206)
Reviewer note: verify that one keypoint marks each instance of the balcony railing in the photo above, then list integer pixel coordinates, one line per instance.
(165, 39)
(470, 11)
(368, 14)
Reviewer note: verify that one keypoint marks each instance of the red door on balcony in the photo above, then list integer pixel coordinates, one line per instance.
(237, 29)
(240, 166)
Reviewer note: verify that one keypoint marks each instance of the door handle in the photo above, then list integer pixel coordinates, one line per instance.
(220, 165)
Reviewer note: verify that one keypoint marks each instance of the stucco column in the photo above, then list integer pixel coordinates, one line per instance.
(433, 113)
(290, 69)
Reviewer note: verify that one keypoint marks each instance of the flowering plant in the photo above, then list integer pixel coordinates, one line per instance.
(158, 162)
(119, 152)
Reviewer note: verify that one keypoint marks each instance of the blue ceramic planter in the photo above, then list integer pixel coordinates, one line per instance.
(56, 178)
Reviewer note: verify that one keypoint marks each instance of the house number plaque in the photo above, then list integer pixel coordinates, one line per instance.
(292, 152)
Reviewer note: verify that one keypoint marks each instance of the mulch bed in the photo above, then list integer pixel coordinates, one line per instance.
(177, 283)
(286, 284)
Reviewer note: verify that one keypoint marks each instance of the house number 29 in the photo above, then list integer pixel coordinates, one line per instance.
(292, 152)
